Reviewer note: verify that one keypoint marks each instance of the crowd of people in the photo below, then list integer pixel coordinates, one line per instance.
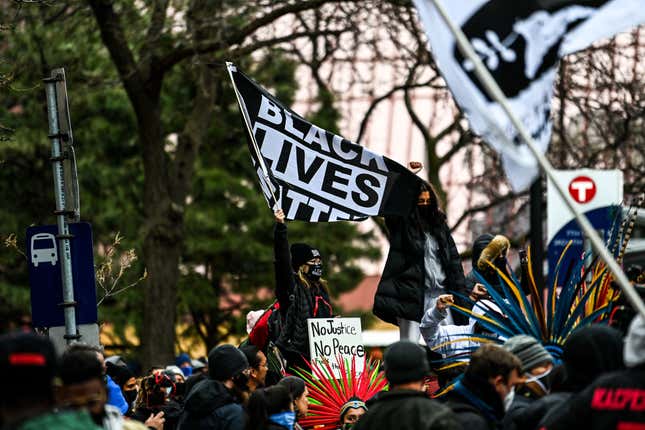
(599, 384)
(494, 357)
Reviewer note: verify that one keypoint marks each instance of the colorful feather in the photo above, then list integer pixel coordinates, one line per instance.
(327, 395)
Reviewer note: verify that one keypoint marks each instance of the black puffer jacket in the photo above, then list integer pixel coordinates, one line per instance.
(210, 406)
(297, 302)
(400, 292)
(613, 401)
(406, 410)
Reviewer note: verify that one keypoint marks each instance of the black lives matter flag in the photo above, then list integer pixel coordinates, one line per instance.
(520, 42)
(313, 174)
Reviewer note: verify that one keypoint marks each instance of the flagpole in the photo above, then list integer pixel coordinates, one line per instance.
(497, 94)
(254, 143)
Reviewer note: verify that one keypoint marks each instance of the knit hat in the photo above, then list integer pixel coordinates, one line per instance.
(635, 342)
(530, 352)
(405, 362)
(120, 374)
(301, 253)
(181, 359)
(294, 384)
(27, 366)
(589, 352)
(226, 361)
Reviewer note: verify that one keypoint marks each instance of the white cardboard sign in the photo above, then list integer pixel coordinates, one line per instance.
(331, 338)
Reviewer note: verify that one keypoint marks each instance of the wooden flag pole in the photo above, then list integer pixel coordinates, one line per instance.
(496, 93)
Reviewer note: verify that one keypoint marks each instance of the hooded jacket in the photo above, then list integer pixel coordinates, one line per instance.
(615, 400)
(438, 336)
(476, 404)
(401, 291)
(210, 406)
(406, 410)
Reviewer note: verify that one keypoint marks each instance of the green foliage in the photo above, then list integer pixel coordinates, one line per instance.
(228, 228)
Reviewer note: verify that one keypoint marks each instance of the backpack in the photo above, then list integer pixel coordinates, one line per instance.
(267, 328)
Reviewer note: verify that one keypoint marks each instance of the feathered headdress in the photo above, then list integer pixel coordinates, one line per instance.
(328, 395)
(580, 294)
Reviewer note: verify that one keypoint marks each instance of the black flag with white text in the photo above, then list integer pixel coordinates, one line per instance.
(313, 174)
(520, 42)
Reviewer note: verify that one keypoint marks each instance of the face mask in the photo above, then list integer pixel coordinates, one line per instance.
(285, 419)
(315, 271)
(348, 426)
(539, 380)
(130, 396)
(187, 371)
(508, 400)
(168, 390)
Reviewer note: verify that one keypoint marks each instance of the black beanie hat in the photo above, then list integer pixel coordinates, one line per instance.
(405, 362)
(301, 253)
(120, 374)
(27, 366)
(226, 361)
(294, 384)
(590, 352)
(479, 245)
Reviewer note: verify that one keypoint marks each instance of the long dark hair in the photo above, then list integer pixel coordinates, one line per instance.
(435, 217)
(265, 402)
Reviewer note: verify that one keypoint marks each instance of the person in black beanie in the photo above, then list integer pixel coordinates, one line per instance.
(405, 406)
(301, 292)
(28, 366)
(587, 354)
(126, 381)
(216, 402)
(299, 392)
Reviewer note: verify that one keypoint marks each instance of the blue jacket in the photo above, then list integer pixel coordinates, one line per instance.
(115, 396)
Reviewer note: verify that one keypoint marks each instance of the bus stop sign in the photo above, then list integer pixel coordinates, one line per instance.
(45, 277)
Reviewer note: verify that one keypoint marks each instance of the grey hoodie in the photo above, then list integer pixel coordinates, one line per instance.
(634, 353)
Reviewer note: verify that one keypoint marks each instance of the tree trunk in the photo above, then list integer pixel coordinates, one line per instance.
(162, 244)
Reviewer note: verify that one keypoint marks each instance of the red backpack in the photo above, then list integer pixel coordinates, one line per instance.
(267, 328)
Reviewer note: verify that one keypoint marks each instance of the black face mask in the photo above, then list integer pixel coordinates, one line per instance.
(315, 271)
(130, 396)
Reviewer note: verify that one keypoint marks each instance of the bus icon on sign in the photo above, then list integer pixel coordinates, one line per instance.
(582, 189)
(43, 249)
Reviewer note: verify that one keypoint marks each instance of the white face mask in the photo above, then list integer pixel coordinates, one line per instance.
(508, 399)
(168, 390)
(537, 379)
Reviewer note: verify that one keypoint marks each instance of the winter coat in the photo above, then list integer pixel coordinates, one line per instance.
(406, 410)
(437, 336)
(614, 401)
(171, 413)
(115, 396)
(526, 414)
(476, 404)
(210, 406)
(297, 301)
(401, 291)
(60, 420)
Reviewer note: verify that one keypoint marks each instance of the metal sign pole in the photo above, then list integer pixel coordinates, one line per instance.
(63, 236)
(497, 94)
